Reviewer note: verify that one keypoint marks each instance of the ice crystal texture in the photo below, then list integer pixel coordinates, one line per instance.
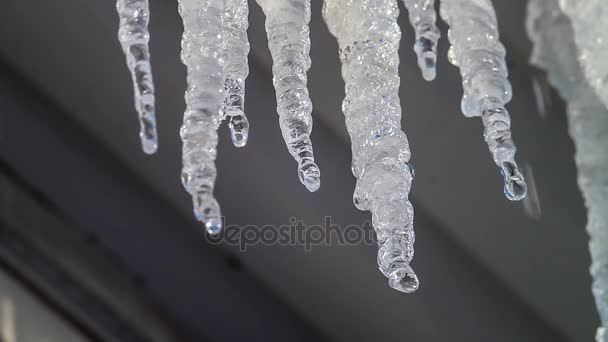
(589, 20)
(134, 36)
(555, 51)
(368, 36)
(236, 69)
(203, 55)
(476, 50)
(422, 16)
(289, 42)
(215, 52)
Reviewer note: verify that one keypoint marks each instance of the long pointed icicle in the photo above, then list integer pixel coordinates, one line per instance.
(368, 36)
(236, 49)
(289, 43)
(202, 54)
(423, 18)
(553, 37)
(480, 56)
(134, 36)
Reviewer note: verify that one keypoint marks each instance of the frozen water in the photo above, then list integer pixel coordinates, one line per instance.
(289, 43)
(134, 36)
(236, 69)
(422, 16)
(477, 51)
(555, 51)
(203, 56)
(589, 19)
(368, 36)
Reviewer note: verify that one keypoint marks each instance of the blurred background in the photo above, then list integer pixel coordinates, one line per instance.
(98, 241)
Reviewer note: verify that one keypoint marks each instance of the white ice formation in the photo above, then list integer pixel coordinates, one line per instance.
(368, 36)
(203, 55)
(477, 51)
(215, 51)
(555, 51)
(589, 19)
(289, 43)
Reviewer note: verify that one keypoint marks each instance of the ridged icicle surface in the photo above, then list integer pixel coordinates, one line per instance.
(134, 36)
(289, 42)
(589, 20)
(480, 56)
(555, 51)
(368, 36)
(203, 56)
(423, 17)
(236, 49)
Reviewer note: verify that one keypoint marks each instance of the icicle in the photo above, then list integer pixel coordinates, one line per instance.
(203, 56)
(589, 20)
(236, 48)
(134, 36)
(289, 43)
(480, 56)
(555, 51)
(368, 36)
(423, 17)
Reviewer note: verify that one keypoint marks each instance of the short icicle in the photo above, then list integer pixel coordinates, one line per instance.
(477, 51)
(134, 36)
(202, 54)
(289, 43)
(368, 36)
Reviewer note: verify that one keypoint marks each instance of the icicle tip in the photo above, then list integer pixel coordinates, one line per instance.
(148, 135)
(310, 176)
(516, 187)
(239, 129)
(404, 280)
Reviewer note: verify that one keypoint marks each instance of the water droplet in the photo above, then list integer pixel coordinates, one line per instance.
(149, 146)
(404, 280)
(429, 71)
(213, 225)
(312, 183)
(239, 130)
(515, 184)
(310, 176)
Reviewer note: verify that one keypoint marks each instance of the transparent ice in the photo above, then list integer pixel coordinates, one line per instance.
(555, 51)
(203, 55)
(134, 36)
(589, 20)
(476, 50)
(236, 69)
(215, 51)
(422, 16)
(289, 42)
(368, 36)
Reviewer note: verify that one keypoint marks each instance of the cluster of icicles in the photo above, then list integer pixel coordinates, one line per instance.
(215, 49)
